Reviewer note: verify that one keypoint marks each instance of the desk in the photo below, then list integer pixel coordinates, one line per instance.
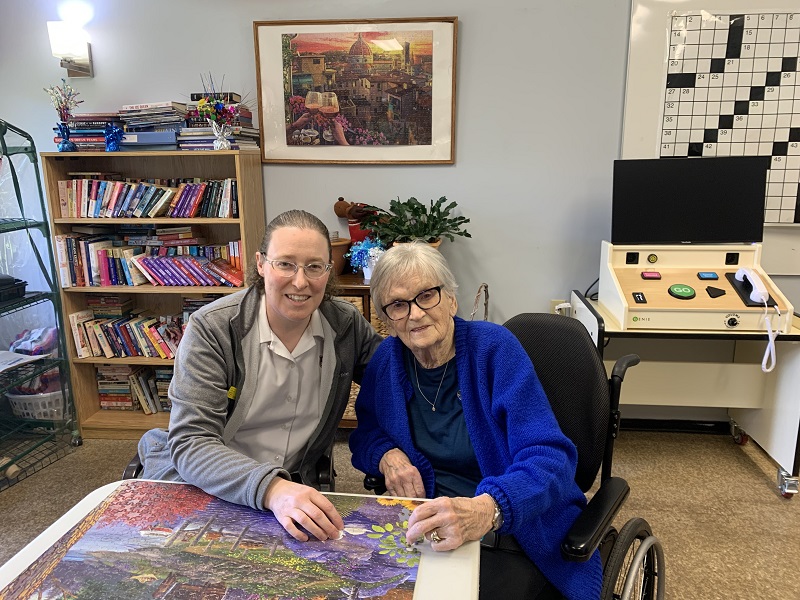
(711, 369)
(140, 538)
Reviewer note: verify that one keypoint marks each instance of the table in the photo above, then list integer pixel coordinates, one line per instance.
(697, 368)
(149, 537)
(352, 284)
(353, 288)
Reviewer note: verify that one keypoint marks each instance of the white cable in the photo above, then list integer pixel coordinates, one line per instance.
(769, 360)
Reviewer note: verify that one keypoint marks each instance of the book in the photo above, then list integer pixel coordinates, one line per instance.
(227, 97)
(92, 249)
(63, 262)
(151, 105)
(148, 137)
(94, 344)
(137, 261)
(227, 271)
(161, 204)
(98, 199)
(177, 198)
(101, 338)
(147, 196)
(138, 392)
(63, 197)
(102, 260)
(119, 188)
(76, 320)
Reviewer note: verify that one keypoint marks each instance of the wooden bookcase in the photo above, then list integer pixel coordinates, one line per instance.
(244, 165)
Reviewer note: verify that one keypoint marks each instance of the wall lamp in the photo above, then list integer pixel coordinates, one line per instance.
(70, 43)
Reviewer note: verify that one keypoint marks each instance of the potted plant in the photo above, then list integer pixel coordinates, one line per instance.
(412, 220)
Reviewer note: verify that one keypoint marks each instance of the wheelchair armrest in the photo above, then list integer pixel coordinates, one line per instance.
(589, 528)
(134, 468)
(623, 364)
(325, 473)
(375, 483)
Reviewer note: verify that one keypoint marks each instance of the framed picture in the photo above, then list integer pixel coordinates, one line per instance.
(359, 91)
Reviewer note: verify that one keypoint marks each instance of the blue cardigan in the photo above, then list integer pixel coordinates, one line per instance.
(528, 464)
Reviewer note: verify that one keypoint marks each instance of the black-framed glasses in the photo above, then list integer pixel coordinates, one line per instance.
(426, 300)
(285, 268)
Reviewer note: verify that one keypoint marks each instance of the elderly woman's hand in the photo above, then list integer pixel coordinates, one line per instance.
(455, 521)
(402, 478)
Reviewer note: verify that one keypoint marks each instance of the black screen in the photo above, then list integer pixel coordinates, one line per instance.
(689, 200)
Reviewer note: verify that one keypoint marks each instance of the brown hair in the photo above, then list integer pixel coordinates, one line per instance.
(301, 220)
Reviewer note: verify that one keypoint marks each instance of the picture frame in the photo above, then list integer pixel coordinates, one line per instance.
(392, 81)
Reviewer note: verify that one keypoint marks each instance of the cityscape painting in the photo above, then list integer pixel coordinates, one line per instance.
(372, 91)
(161, 540)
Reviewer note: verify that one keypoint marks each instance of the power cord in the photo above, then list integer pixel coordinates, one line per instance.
(769, 360)
(586, 293)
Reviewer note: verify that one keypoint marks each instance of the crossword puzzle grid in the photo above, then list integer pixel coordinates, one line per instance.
(732, 89)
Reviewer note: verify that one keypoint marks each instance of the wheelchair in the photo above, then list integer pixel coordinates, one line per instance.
(585, 402)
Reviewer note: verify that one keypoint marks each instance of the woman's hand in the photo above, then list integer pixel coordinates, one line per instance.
(402, 478)
(455, 521)
(296, 504)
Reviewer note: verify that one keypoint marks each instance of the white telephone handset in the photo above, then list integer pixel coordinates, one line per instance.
(759, 292)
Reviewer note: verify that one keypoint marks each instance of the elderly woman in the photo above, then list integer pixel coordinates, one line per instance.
(453, 410)
(262, 378)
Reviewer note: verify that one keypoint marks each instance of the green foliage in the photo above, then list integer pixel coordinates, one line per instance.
(412, 220)
(393, 543)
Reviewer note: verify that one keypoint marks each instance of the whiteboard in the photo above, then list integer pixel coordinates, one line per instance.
(648, 54)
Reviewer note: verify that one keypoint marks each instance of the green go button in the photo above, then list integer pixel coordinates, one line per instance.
(681, 291)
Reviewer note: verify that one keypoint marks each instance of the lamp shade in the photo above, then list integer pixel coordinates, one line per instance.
(67, 41)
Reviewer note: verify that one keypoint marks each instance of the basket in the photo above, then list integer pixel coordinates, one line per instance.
(11, 288)
(45, 407)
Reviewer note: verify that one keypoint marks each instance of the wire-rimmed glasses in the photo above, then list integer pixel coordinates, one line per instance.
(426, 300)
(284, 268)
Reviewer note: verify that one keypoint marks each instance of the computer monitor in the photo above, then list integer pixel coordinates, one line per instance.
(689, 200)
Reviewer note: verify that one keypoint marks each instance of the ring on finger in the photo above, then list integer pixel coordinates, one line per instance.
(435, 539)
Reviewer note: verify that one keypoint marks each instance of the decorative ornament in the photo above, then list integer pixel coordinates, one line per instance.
(221, 133)
(65, 145)
(64, 99)
(113, 135)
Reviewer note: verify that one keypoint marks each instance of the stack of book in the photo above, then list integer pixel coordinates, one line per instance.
(87, 130)
(198, 137)
(113, 388)
(197, 134)
(152, 125)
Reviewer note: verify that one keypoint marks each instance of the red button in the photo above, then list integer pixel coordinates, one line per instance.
(651, 275)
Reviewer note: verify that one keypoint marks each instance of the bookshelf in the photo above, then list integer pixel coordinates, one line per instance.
(244, 165)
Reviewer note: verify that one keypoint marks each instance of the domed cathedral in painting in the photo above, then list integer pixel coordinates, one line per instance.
(360, 58)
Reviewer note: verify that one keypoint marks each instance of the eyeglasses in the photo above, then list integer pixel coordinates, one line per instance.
(289, 269)
(426, 300)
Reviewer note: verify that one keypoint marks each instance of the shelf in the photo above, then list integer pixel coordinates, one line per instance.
(243, 165)
(29, 299)
(31, 444)
(128, 360)
(146, 221)
(15, 377)
(32, 448)
(10, 225)
(183, 290)
(121, 424)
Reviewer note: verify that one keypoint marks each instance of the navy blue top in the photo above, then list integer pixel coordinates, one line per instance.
(441, 435)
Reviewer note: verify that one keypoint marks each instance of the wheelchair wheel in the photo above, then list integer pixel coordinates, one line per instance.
(621, 561)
